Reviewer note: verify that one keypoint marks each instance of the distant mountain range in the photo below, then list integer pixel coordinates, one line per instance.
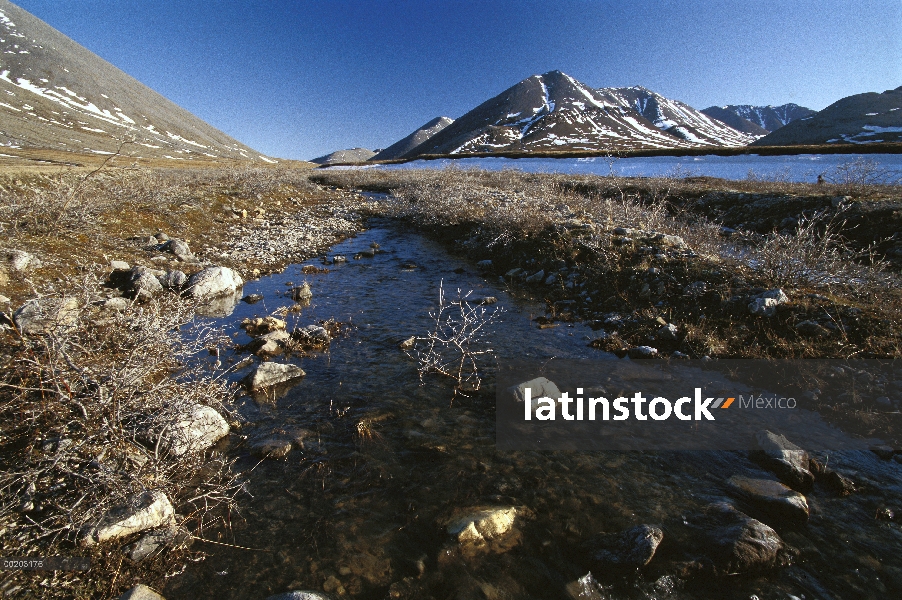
(860, 119)
(554, 111)
(758, 120)
(56, 94)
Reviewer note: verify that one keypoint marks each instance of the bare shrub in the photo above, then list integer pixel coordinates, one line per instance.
(814, 254)
(79, 406)
(855, 176)
(456, 344)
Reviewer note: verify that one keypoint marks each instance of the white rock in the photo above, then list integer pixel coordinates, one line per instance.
(141, 592)
(119, 265)
(270, 373)
(213, 282)
(483, 526)
(540, 387)
(299, 595)
(193, 430)
(145, 511)
(19, 260)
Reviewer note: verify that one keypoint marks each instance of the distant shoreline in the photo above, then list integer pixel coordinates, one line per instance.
(875, 148)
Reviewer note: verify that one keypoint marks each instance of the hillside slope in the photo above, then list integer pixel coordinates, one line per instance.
(859, 119)
(56, 94)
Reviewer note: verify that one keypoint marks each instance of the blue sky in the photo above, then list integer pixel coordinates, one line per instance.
(300, 79)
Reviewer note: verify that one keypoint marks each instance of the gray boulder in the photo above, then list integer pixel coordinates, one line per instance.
(42, 314)
(771, 497)
(179, 248)
(173, 280)
(214, 282)
(191, 430)
(786, 460)
(737, 543)
(141, 512)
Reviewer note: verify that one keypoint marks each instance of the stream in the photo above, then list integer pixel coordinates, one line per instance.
(382, 461)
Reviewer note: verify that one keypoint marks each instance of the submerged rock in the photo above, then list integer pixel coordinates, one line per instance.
(539, 387)
(485, 529)
(629, 549)
(312, 335)
(269, 374)
(261, 326)
(786, 460)
(770, 496)
(737, 543)
(301, 293)
(142, 512)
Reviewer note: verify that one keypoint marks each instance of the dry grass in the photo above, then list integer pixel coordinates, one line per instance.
(79, 406)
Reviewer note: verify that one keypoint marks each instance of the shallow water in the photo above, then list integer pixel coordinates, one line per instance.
(367, 505)
(797, 168)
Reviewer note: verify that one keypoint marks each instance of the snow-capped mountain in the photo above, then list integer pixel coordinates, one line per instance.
(676, 118)
(344, 156)
(553, 111)
(406, 144)
(769, 118)
(860, 119)
(56, 94)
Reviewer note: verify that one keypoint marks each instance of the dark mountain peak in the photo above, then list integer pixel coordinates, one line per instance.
(419, 136)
